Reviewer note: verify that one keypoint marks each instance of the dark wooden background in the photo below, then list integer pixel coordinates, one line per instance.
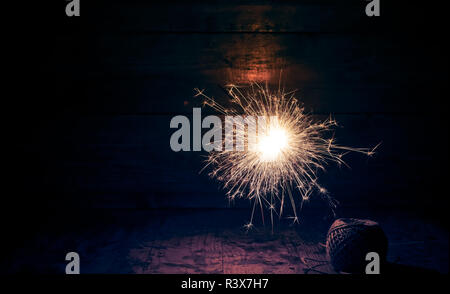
(92, 97)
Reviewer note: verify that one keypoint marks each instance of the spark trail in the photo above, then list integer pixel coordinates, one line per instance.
(291, 149)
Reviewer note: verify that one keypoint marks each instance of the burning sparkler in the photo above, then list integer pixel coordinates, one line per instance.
(290, 150)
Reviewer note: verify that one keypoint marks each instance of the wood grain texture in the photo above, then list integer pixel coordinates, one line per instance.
(92, 97)
(224, 16)
(126, 161)
(213, 241)
(157, 73)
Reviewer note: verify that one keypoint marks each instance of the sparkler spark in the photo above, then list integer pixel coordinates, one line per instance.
(291, 149)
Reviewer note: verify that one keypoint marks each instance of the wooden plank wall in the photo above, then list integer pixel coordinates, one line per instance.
(95, 95)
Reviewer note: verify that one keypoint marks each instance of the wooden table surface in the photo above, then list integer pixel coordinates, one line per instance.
(214, 241)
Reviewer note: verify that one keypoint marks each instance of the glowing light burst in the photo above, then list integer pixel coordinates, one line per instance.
(290, 151)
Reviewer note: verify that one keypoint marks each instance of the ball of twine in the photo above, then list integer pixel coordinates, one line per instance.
(349, 240)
